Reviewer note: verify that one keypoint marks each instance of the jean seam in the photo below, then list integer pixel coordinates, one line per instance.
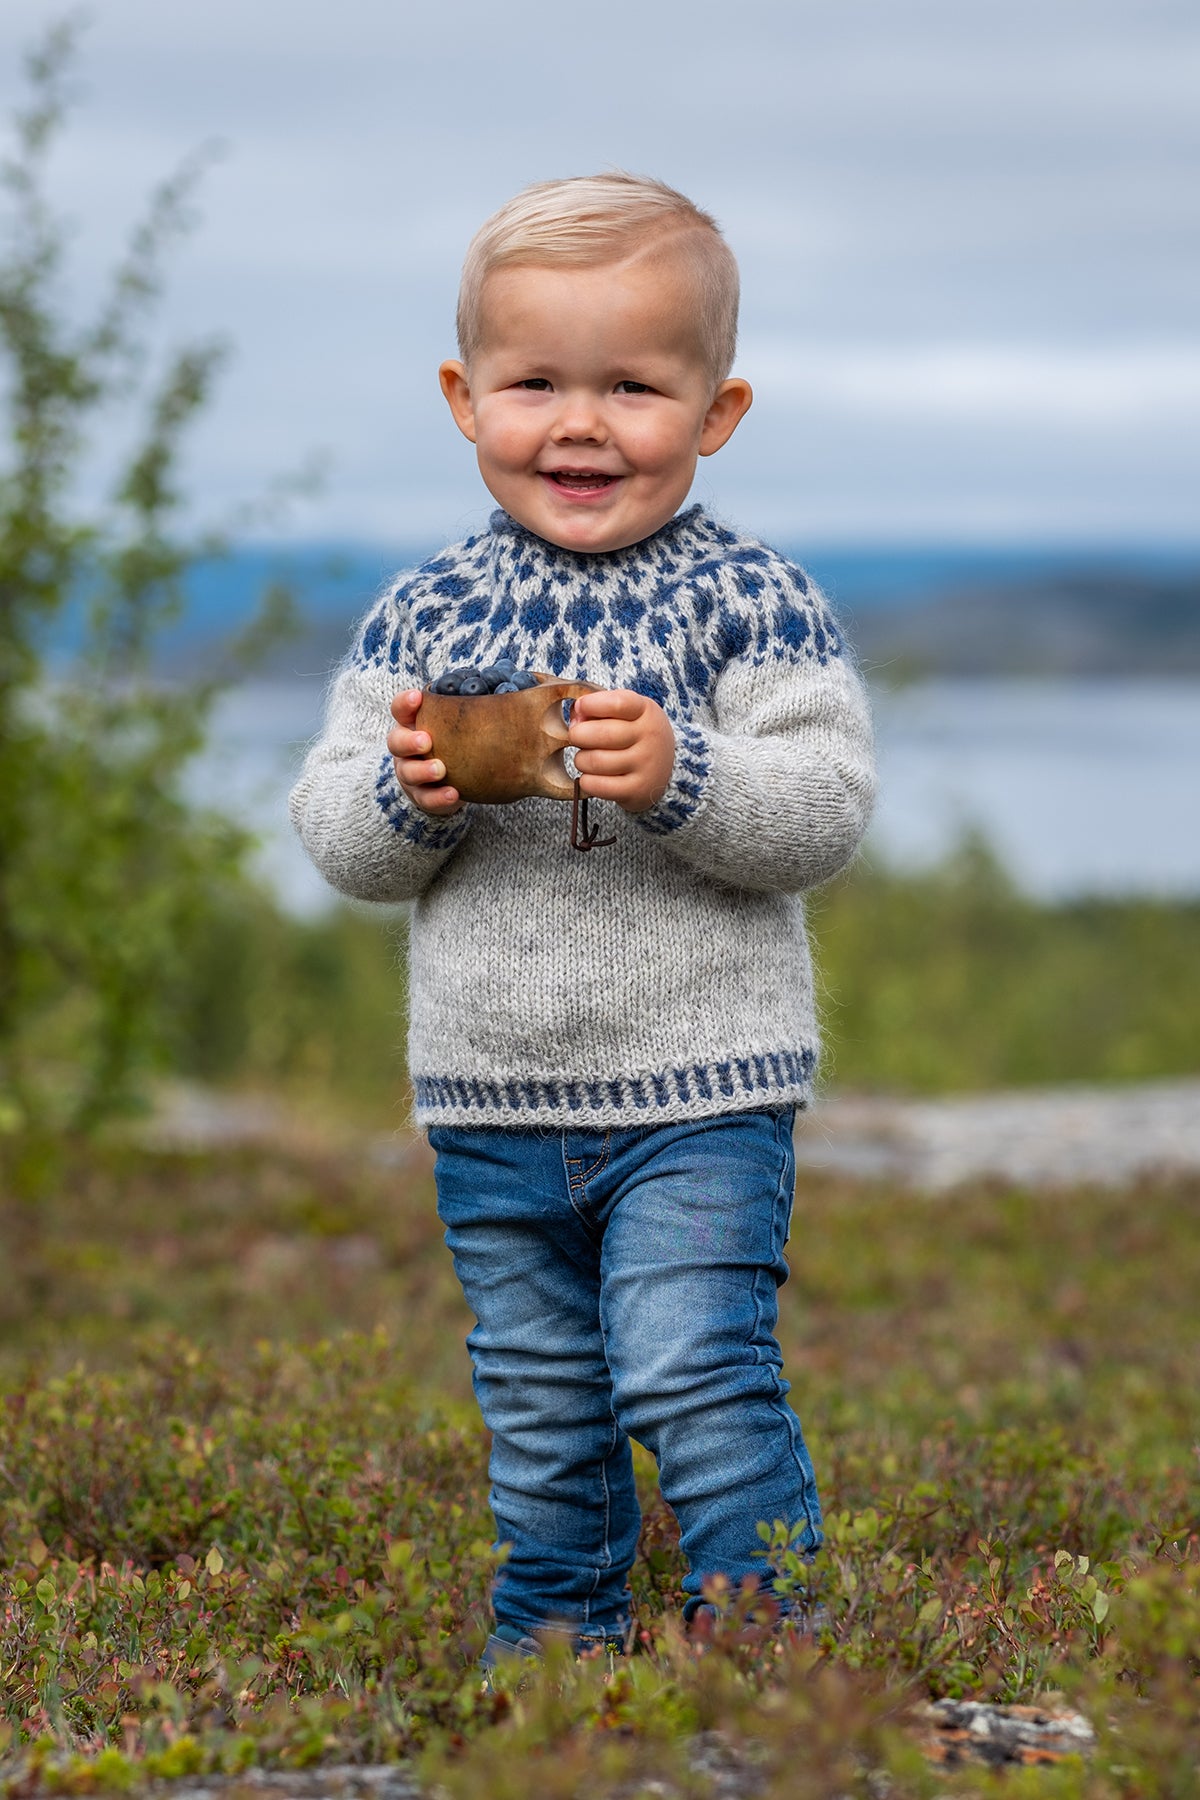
(606, 1541)
(577, 1184)
(778, 1208)
(782, 1212)
(783, 1138)
(779, 1404)
(601, 1162)
(577, 1179)
(615, 1433)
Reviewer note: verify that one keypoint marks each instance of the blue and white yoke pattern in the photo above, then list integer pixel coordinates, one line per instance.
(667, 977)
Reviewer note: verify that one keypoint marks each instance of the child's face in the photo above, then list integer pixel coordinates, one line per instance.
(588, 401)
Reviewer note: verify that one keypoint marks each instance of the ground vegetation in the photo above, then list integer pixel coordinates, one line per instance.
(243, 1494)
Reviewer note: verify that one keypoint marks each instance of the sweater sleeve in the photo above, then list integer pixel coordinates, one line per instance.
(777, 792)
(354, 819)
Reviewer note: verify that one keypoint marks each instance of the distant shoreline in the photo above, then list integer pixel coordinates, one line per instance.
(930, 611)
(920, 610)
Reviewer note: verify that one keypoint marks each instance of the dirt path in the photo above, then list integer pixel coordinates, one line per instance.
(1039, 1137)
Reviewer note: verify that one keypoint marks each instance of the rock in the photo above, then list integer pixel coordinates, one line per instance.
(381, 1781)
(974, 1731)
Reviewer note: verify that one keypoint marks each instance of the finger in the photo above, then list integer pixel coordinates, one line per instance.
(610, 703)
(606, 787)
(420, 771)
(434, 799)
(604, 762)
(402, 742)
(438, 800)
(405, 706)
(603, 734)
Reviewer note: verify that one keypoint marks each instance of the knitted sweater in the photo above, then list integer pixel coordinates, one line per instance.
(666, 977)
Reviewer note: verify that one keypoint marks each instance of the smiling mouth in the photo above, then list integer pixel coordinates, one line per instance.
(579, 481)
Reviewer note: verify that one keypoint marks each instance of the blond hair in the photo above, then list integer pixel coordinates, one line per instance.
(590, 219)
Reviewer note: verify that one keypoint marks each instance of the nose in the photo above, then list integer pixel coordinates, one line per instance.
(580, 418)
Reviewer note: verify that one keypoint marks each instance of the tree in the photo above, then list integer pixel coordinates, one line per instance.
(106, 871)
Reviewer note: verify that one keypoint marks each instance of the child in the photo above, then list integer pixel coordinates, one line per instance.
(609, 1049)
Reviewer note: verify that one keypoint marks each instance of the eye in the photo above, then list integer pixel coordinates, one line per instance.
(632, 387)
(536, 383)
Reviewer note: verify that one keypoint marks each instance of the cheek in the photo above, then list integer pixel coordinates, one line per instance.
(662, 449)
(506, 440)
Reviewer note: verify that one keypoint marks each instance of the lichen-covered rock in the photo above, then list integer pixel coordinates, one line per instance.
(966, 1731)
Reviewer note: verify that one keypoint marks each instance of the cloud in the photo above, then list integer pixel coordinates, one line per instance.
(1057, 386)
(965, 232)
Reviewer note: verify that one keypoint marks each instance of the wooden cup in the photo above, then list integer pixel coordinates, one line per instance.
(503, 747)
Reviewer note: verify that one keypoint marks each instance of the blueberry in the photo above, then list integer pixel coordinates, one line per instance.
(500, 677)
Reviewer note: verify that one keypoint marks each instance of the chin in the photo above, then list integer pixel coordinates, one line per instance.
(587, 536)
(589, 530)
(597, 535)
(594, 540)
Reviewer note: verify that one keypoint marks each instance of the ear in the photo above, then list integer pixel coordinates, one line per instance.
(730, 404)
(455, 386)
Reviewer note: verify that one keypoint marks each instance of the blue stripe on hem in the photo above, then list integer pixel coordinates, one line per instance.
(754, 1078)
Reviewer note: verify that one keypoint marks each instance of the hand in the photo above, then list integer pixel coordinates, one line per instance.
(625, 748)
(421, 776)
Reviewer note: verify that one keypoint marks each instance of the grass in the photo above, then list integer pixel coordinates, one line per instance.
(242, 1492)
(951, 980)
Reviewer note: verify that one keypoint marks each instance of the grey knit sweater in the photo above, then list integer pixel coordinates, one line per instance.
(666, 977)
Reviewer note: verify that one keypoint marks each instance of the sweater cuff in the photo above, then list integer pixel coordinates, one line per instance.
(686, 788)
(408, 821)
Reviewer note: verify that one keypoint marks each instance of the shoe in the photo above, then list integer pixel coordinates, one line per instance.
(508, 1644)
(803, 1621)
(807, 1621)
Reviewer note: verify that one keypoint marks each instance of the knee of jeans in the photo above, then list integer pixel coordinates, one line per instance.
(674, 1382)
(526, 1412)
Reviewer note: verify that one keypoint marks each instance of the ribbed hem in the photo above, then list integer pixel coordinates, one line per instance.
(691, 1091)
(685, 791)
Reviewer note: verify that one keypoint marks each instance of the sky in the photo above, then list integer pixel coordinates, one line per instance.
(971, 288)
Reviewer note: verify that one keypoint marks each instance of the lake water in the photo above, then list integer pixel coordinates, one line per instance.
(1080, 787)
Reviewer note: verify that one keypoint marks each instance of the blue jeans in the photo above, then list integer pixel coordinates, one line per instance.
(624, 1284)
